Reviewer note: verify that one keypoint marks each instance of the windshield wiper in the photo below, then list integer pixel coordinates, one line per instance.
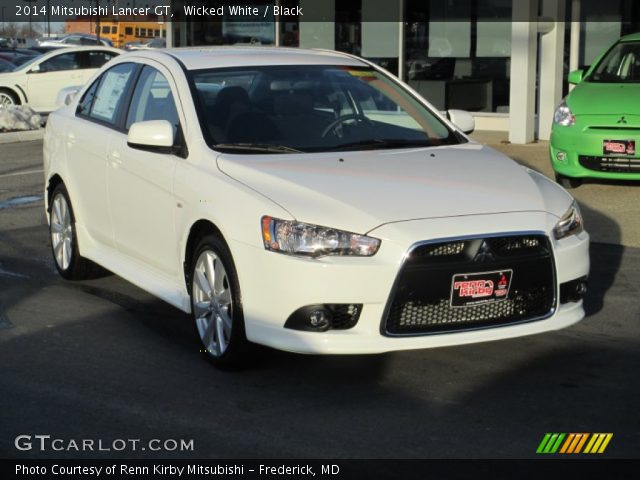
(381, 143)
(255, 147)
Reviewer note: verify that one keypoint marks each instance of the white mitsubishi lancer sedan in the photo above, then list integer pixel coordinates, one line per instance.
(308, 201)
(37, 82)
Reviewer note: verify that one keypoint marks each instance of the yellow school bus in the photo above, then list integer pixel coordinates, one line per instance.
(121, 32)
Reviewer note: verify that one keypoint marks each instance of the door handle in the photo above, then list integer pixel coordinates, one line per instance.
(115, 158)
(71, 139)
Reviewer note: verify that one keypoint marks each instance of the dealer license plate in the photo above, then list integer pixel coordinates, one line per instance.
(471, 289)
(619, 147)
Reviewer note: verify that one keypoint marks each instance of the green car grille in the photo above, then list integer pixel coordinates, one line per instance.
(610, 164)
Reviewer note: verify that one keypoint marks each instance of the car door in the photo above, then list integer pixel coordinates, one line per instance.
(140, 182)
(99, 113)
(47, 78)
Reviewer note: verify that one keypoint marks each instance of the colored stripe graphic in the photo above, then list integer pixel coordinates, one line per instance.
(550, 443)
(543, 443)
(573, 443)
(567, 443)
(598, 442)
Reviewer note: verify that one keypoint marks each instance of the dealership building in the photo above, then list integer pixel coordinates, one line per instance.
(506, 61)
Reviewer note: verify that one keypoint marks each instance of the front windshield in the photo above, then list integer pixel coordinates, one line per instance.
(311, 108)
(620, 65)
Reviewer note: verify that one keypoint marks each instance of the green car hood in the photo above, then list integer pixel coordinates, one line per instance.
(605, 99)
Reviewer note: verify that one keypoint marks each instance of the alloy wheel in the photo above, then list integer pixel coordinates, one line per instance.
(212, 303)
(61, 232)
(6, 100)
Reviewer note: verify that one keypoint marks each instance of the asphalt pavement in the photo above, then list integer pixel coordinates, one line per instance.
(104, 360)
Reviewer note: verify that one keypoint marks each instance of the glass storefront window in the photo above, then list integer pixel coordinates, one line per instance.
(457, 53)
(238, 31)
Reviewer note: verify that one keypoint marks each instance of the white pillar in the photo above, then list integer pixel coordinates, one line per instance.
(551, 67)
(183, 34)
(574, 48)
(522, 94)
(276, 25)
(168, 32)
(320, 34)
(401, 32)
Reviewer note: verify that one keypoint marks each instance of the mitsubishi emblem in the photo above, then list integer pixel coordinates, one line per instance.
(484, 253)
(622, 120)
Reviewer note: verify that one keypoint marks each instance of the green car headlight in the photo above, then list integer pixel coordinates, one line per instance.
(570, 223)
(297, 238)
(563, 115)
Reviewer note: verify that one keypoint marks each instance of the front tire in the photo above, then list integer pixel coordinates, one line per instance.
(216, 304)
(64, 241)
(568, 182)
(8, 98)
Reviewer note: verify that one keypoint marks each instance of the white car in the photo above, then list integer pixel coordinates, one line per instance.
(74, 40)
(308, 201)
(37, 82)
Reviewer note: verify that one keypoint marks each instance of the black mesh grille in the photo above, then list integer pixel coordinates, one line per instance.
(505, 246)
(440, 250)
(422, 298)
(466, 250)
(610, 164)
(438, 315)
(345, 316)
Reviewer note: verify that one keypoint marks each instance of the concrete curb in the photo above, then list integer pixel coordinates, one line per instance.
(24, 136)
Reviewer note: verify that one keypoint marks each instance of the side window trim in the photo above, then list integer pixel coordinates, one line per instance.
(128, 94)
(97, 82)
(179, 141)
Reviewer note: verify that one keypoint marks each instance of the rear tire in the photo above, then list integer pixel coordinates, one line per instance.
(64, 241)
(568, 182)
(216, 304)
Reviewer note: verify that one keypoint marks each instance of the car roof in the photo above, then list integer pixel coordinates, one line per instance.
(58, 51)
(630, 38)
(196, 58)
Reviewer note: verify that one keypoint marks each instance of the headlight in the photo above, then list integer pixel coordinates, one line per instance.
(297, 238)
(563, 115)
(570, 223)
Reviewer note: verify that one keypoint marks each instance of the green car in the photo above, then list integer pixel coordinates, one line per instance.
(597, 126)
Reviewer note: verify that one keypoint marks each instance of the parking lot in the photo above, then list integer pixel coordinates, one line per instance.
(102, 359)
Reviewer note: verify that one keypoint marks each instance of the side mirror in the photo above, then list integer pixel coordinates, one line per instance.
(152, 136)
(35, 69)
(462, 119)
(575, 77)
(66, 96)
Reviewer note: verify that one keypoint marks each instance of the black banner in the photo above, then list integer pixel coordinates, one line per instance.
(263, 10)
(320, 469)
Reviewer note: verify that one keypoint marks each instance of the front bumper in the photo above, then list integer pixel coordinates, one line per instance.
(274, 285)
(583, 140)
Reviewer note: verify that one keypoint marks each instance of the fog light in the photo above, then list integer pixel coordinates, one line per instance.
(573, 291)
(323, 317)
(561, 157)
(312, 318)
(581, 289)
(320, 319)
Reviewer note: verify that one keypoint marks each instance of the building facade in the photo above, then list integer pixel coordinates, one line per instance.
(506, 61)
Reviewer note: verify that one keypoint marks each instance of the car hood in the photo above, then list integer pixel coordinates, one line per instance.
(359, 191)
(605, 99)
